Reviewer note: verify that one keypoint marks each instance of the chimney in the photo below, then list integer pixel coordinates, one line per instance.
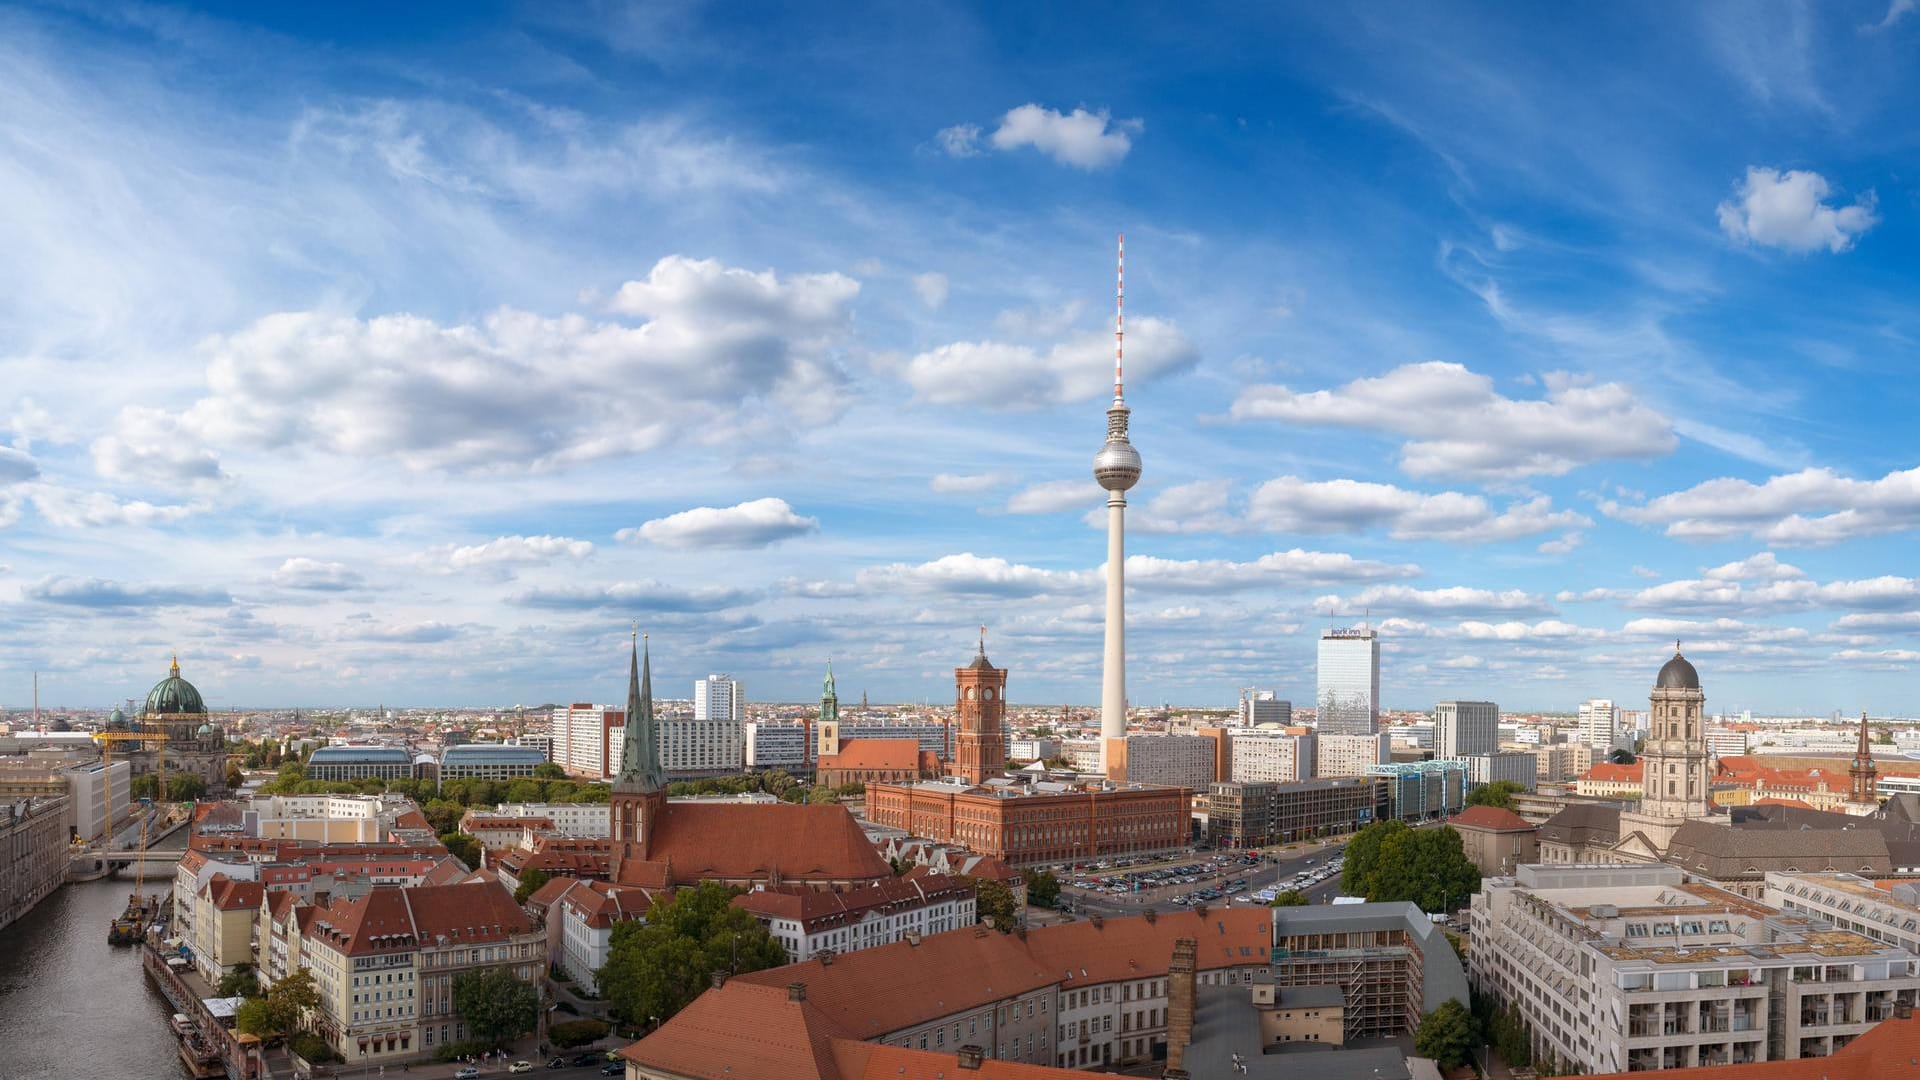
(796, 991)
(1094, 918)
(719, 979)
(969, 1057)
(1151, 915)
(1180, 994)
(1902, 1011)
(825, 956)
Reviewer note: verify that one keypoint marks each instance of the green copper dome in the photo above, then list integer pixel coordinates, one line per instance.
(116, 720)
(174, 695)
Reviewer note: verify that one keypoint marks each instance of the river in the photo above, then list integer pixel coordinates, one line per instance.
(70, 1004)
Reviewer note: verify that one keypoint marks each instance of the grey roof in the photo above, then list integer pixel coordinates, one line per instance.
(1225, 1023)
(1678, 674)
(1324, 996)
(1443, 978)
(1578, 821)
(1723, 852)
(491, 754)
(361, 755)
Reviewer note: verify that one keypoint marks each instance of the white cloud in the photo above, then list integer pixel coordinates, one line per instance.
(96, 593)
(69, 509)
(1895, 658)
(965, 483)
(641, 598)
(1460, 426)
(754, 524)
(819, 590)
(316, 576)
(1199, 506)
(1809, 508)
(1553, 630)
(150, 446)
(1764, 566)
(971, 575)
(1780, 592)
(1896, 10)
(932, 289)
(719, 342)
(1454, 600)
(1012, 378)
(1563, 546)
(1279, 569)
(1789, 211)
(1879, 620)
(498, 555)
(1044, 323)
(960, 140)
(1290, 504)
(1056, 495)
(1085, 140)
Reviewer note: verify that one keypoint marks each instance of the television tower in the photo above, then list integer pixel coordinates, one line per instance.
(1116, 468)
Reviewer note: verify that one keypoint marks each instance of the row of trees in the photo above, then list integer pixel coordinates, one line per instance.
(779, 783)
(1388, 861)
(548, 784)
(1449, 1033)
(181, 786)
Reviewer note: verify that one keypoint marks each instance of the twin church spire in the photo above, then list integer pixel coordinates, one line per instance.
(640, 770)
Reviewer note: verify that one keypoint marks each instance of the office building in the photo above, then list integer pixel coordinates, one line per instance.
(1259, 707)
(1851, 902)
(586, 739)
(1255, 815)
(778, 744)
(1273, 757)
(360, 763)
(1726, 742)
(1038, 748)
(1423, 790)
(1496, 841)
(1599, 723)
(100, 797)
(1631, 968)
(1348, 696)
(1465, 728)
(1351, 755)
(1517, 766)
(489, 761)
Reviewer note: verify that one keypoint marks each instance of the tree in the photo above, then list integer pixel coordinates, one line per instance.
(525, 790)
(240, 982)
(571, 1033)
(235, 778)
(1883, 738)
(282, 1009)
(463, 847)
(993, 904)
(530, 883)
(288, 780)
(495, 1006)
(1288, 898)
(822, 795)
(1446, 1035)
(1043, 889)
(654, 968)
(1387, 861)
(1498, 794)
(547, 770)
(1621, 757)
(444, 815)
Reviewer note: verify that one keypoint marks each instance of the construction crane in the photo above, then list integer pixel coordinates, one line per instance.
(107, 739)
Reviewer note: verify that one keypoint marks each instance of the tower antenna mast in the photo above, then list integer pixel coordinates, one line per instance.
(1119, 312)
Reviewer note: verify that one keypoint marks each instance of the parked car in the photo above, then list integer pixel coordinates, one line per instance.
(585, 1059)
(613, 1068)
(557, 1063)
(520, 1067)
(465, 1072)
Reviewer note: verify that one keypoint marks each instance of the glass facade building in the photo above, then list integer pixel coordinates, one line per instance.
(1348, 698)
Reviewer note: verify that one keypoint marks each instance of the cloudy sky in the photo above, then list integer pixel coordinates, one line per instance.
(366, 360)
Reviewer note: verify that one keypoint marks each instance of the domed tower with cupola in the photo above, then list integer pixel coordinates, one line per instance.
(1675, 765)
(193, 744)
(980, 705)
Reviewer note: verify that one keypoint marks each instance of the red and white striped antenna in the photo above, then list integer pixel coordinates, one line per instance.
(1119, 310)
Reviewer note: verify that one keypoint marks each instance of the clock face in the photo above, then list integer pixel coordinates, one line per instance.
(970, 693)
(989, 694)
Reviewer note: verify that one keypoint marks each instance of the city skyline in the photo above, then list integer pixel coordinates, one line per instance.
(413, 363)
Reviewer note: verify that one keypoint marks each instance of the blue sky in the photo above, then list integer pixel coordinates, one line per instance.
(370, 356)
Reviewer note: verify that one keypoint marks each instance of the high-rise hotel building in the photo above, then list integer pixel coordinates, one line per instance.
(1348, 697)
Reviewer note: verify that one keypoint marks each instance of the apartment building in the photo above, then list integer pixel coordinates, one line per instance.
(385, 964)
(807, 921)
(1625, 968)
(33, 852)
(585, 820)
(1186, 761)
(586, 738)
(1351, 755)
(1851, 902)
(1273, 757)
(580, 916)
(1464, 728)
(778, 744)
(1516, 766)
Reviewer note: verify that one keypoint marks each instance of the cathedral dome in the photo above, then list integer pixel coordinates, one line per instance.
(1678, 674)
(174, 695)
(116, 720)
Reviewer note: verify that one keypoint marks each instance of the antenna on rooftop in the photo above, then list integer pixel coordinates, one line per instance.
(1119, 310)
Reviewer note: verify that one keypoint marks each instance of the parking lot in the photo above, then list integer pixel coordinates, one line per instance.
(1237, 877)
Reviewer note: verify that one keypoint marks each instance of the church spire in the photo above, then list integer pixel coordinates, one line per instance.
(829, 697)
(639, 749)
(1864, 773)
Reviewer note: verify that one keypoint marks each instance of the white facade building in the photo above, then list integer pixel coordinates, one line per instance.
(1599, 722)
(99, 795)
(1628, 968)
(1273, 757)
(587, 820)
(1352, 755)
(1723, 742)
(719, 697)
(1465, 728)
(807, 921)
(1347, 699)
(582, 740)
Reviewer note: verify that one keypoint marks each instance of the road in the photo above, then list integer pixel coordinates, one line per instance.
(1257, 877)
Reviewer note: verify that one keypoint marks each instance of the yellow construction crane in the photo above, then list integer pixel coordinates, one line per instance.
(106, 739)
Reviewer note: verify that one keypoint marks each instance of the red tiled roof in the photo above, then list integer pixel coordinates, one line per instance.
(899, 754)
(735, 841)
(1608, 772)
(1490, 817)
(396, 919)
(876, 1061)
(815, 907)
(229, 895)
(743, 1031)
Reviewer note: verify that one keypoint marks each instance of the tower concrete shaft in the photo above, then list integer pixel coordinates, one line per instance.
(1116, 468)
